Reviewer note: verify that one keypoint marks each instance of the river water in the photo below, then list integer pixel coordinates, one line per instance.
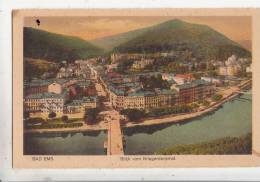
(234, 118)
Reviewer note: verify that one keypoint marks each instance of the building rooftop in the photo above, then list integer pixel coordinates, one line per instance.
(39, 82)
(86, 83)
(185, 76)
(168, 91)
(171, 82)
(194, 83)
(79, 102)
(47, 95)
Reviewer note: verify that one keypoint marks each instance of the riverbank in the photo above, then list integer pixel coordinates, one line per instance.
(228, 94)
(84, 128)
(227, 145)
(176, 118)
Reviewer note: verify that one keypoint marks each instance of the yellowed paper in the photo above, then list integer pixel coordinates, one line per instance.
(212, 52)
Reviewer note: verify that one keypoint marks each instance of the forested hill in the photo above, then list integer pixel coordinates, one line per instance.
(223, 146)
(177, 35)
(110, 42)
(39, 44)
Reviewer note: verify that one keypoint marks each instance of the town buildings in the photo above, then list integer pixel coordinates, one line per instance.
(249, 69)
(194, 91)
(130, 94)
(79, 105)
(140, 64)
(58, 95)
(183, 78)
(46, 102)
(213, 80)
(37, 86)
(76, 91)
(231, 67)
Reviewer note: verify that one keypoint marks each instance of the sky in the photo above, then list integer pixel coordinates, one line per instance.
(236, 28)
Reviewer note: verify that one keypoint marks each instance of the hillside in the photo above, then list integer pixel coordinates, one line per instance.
(41, 44)
(177, 35)
(110, 42)
(223, 146)
(37, 67)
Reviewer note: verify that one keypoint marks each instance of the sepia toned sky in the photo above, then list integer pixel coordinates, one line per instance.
(88, 28)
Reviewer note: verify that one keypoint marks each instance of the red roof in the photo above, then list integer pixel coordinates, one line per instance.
(113, 74)
(72, 91)
(185, 76)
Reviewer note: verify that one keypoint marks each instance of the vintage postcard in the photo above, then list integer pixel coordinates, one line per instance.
(142, 88)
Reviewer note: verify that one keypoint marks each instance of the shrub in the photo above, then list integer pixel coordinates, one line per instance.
(216, 97)
(35, 121)
(194, 106)
(26, 114)
(205, 103)
(133, 114)
(65, 118)
(52, 115)
(91, 115)
(52, 126)
(227, 145)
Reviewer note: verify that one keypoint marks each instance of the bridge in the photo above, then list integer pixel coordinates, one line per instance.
(114, 143)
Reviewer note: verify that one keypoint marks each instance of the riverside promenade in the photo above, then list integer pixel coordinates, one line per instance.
(227, 94)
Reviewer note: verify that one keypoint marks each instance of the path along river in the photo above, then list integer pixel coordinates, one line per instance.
(234, 118)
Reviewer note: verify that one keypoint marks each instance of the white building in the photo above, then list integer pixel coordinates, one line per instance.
(167, 76)
(249, 69)
(231, 68)
(142, 63)
(211, 80)
(55, 88)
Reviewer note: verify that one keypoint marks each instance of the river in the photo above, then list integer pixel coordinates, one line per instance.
(234, 118)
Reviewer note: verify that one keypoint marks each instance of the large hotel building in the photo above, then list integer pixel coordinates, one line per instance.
(57, 95)
(125, 92)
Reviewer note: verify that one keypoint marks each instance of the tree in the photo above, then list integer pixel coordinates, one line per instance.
(26, 114)
(202, 66)
(34, 121)
(133, 114)
(65, 118)
(91, 115)
(194, 106)
(205, 103)
(153, 82)
(216, 97)
(52, 115)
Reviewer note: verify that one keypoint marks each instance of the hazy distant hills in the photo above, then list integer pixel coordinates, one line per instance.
(176, 35)
(41, 44)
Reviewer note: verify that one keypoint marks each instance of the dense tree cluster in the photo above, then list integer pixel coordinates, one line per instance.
(65, 118)
(40, 44)
(153, 82)
(216, 97)
(52, 115)
(171, 110)
(136, 114)
(133, 114)
(91, 116)
(124, 65)
(227, 145)
(56, 125)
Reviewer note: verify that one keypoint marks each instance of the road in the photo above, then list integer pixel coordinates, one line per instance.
(114, 143)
